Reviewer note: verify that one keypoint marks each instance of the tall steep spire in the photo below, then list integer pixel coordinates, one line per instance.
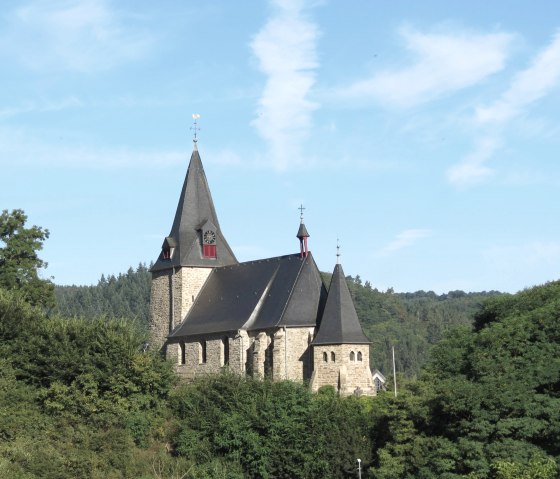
(340, 324)
(195, 224)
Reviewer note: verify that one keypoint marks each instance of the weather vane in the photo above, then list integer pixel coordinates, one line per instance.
(337, 252)
(301, 208)
(195, 127)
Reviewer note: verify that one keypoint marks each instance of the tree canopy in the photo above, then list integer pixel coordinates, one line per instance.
(79, 398)
(19, 260)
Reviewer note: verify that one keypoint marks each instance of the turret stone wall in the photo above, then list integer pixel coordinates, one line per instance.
(345, 366)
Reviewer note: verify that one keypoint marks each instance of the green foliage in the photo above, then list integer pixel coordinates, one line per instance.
(411, 322)
(271, 429)
(80, 399)
(75, 395)
(19, 262)
(537, 468)
(123, 296)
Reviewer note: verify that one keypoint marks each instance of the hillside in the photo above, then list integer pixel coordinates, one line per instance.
(412, 322)
(79, 398)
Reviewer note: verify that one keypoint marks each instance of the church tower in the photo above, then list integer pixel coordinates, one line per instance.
(340, 347)
(188, 254)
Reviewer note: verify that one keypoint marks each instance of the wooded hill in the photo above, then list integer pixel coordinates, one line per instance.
(411, 322)
(79, 398)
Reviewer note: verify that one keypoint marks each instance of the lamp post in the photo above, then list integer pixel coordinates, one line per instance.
(359, 469)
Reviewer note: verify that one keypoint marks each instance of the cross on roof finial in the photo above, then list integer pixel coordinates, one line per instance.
(301, 208)
(337, 252)
(195, 127)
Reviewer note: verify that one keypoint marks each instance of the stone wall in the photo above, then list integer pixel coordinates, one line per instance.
(340, 366)
(196, 357)
(259, 354)
(299, 354)
(160, 308)
(191, 282)
(168, 310)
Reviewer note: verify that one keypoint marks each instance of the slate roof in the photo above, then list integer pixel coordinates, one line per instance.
(340, 324)
(302, 231)
(257, 295)
(195, 209)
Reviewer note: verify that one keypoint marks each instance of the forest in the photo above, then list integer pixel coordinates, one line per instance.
(411, 322)
(80, 397)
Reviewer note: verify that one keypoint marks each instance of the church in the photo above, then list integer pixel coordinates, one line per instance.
(271, 317)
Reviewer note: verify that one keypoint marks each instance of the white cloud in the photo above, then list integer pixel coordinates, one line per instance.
(446, 62)
(527, 86)
(80, 35)
(285, 49)
(404, 240)
(473, 170)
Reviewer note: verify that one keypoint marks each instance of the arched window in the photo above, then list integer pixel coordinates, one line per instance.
(352, 356)
(325, 357)
(359, 355)
(333, 357)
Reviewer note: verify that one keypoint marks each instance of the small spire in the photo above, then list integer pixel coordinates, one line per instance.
(302, 234)
(195, 128)
(337, 252)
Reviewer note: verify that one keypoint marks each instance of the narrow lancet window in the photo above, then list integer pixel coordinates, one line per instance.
(202, 352)
(225, 351)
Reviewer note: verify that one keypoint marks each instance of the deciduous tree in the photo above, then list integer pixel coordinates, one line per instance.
(19, 261)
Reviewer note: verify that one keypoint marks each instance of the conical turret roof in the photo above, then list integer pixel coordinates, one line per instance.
(340, 324)
(195, 211)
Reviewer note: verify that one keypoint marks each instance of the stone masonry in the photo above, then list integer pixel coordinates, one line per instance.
(172, 295)
(343, 365)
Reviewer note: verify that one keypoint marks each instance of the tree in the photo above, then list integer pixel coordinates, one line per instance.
(19, 262)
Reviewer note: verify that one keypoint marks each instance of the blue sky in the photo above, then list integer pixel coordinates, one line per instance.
(423, 135)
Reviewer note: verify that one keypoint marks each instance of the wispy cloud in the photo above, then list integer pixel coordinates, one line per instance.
(404, 240)
(79, 35)
(527, 86)
(40, 107)
(445, 62)
(286, 53)
(473, 169)
(18, 146)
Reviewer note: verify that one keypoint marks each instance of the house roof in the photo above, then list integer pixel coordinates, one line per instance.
(275, 292)
(340, 324)
(195, 209)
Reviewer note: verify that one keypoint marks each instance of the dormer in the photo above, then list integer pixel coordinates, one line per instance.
(168, 247)
(208, 240)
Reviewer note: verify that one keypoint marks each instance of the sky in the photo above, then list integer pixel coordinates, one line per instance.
(423, 137)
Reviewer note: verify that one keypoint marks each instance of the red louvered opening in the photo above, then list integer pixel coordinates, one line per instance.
(209, 250)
